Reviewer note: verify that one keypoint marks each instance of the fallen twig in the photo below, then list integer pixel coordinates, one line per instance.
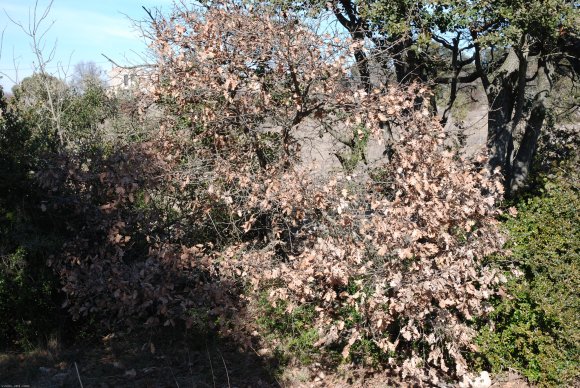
(79, 375)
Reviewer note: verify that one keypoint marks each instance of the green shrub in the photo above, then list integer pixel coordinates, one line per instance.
(292, 333)
(29, 304)
(29, 291)
(536, 330)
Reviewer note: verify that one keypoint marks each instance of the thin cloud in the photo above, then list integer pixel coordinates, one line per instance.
(82, 31)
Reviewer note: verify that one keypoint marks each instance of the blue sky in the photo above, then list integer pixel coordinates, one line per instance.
(82, 30)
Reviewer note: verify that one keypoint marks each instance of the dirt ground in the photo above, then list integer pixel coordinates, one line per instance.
(168, 359)
(172, 358)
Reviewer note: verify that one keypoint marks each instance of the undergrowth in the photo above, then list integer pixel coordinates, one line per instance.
(535, 329)
(291, 332)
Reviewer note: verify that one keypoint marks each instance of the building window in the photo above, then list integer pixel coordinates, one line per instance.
(126, 80)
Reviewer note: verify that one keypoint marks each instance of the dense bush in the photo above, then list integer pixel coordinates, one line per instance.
(33, 226)
(216, 221)
(71, 119)
(29, 291)
(535, 329)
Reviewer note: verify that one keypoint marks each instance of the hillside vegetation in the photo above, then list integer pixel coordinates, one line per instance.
(183, 211)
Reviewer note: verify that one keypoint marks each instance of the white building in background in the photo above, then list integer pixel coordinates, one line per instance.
(123, 80)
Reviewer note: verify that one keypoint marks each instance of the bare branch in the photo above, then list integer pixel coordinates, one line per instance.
(145, 65)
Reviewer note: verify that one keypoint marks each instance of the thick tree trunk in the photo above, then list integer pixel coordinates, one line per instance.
(525, 155)
(500, 96)
(362, 63)
(499, 134)
(349, 18)
(403, 59)
(454, 82)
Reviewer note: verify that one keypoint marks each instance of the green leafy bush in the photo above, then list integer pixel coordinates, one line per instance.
(536, 328)
(29, 304)
(289, 330)
(29, 291)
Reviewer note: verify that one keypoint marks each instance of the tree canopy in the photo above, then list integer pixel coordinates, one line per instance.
(517, 50)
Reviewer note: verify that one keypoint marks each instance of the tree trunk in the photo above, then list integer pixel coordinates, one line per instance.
(362, 63)
(525, 155)
(500, 97)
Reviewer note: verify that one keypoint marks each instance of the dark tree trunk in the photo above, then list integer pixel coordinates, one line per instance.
(362, 63)
(499, 131)
(349, 18)
(523, 160)
(500, 97)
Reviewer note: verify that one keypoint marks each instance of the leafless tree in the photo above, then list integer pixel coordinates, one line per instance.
(36, 29)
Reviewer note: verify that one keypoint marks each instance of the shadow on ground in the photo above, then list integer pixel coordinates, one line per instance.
(163, 359)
